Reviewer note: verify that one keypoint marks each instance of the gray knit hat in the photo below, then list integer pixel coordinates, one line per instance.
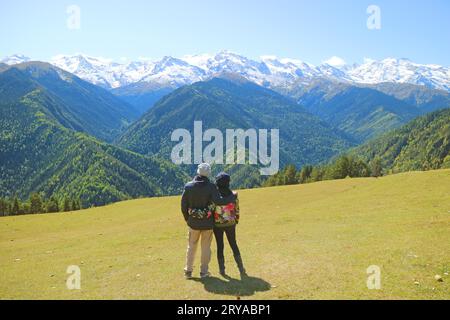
(204, 169)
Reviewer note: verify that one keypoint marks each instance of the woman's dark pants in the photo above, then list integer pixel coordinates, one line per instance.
(231, 236)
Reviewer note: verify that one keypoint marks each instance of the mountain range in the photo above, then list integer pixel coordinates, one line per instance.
(142, 83)
(235, 103)
(63, 135)
(268, 71)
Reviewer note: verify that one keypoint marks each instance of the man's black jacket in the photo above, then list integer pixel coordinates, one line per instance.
(199, 194)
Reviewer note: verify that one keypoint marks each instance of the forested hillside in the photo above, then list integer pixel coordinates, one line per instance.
(40, 152)
(76, 104)
(234, 103)
(361, 112)
(422, 144)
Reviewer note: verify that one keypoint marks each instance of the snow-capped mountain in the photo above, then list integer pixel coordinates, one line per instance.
(101, 71)
(401, 71)
(15, 59)
(268, 71)
(336, 73)
(173, 72)
(285, 71)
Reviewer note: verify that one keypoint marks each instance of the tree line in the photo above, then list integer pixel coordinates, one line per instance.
(342, 167)
(37, 204)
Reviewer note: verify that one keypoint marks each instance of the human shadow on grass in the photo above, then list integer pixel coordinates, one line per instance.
(247, 286)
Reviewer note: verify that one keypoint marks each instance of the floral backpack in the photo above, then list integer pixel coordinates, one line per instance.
(227, 215)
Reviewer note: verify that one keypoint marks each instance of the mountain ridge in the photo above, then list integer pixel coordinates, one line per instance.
(268, 71)
(361, 111)
(421, 144)
(81, 105)
(304, 138)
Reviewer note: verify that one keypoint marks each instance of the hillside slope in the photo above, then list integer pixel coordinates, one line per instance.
(422, 144)
(78, 105)
(361, 112)
(229, 104)
(39, 154)
(424, 98)
(311, 241)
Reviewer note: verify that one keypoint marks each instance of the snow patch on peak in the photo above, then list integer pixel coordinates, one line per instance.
(15, 59)
(199, 60)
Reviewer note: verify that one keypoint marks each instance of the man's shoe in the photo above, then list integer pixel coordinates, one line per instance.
(188, 274)
(205, 275)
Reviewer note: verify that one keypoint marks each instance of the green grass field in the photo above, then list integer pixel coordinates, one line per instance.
(310, 241)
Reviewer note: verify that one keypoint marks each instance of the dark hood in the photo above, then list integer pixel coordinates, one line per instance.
(223, 183)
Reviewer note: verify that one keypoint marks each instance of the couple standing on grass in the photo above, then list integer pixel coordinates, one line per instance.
(210, 208)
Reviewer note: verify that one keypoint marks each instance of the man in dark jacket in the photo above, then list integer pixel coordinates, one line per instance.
(197, 201)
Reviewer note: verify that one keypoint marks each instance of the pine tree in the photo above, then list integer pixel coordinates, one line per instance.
(36, 205)
(52, 205)
(75, 205)
(290, 174)
(358, 168)
(66, 206)
(341, 168)
(317, 174)
(270, 182)
(9, 206)
(3, 207)
(15, 208)
(305, 174)
(26, 207)
(280, 178)
(376, 167)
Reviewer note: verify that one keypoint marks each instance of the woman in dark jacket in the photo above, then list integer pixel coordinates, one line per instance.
(226, 217)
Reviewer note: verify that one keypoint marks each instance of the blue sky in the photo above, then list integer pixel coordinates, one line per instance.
(311, 31)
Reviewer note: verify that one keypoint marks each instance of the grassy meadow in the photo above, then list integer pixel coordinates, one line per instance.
(312, 241)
